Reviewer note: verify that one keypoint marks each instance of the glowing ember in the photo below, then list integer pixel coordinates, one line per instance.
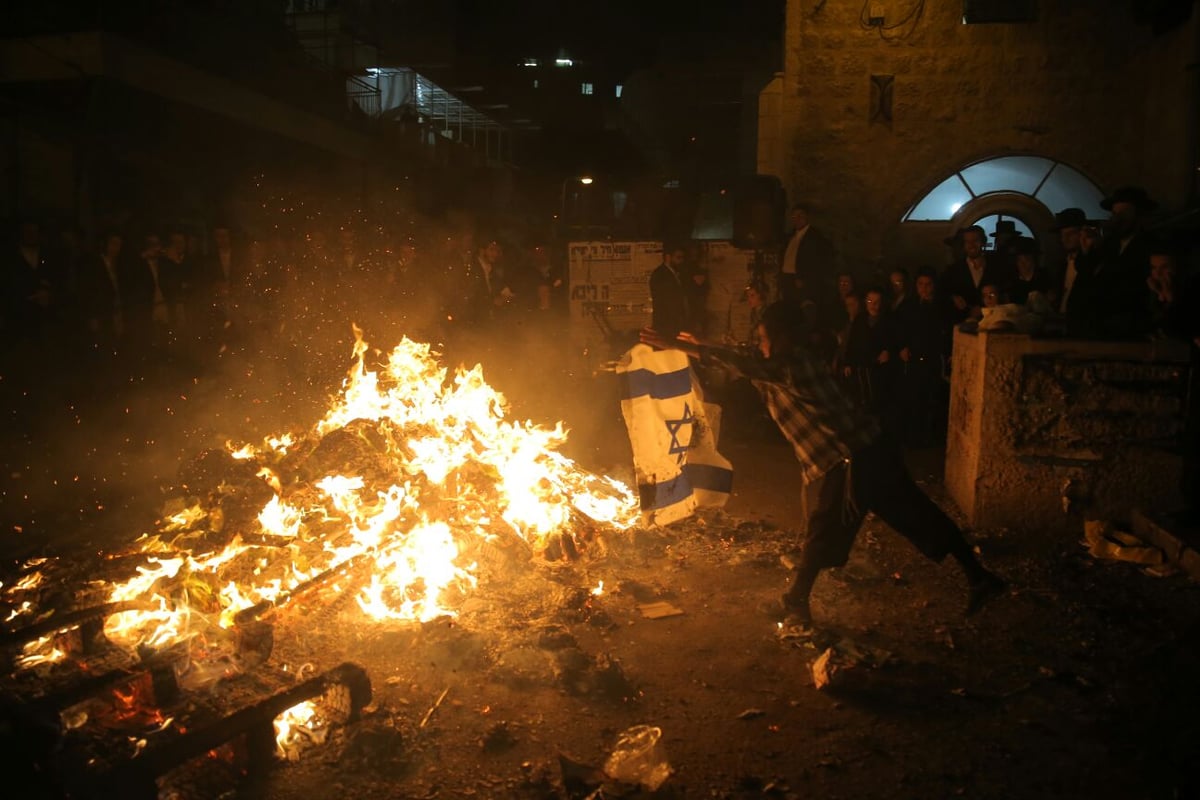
(38, 652)
(291, 723)
(280, 444)
(184, 519)
(241, 453)
(448, 475)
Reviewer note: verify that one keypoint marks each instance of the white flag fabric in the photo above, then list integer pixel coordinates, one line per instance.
(672, 431)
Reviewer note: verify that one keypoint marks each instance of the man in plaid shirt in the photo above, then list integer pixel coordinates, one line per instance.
(840, 448)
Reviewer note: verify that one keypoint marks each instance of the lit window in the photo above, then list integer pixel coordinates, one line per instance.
(1008, 174)
(619, 88)
(563, 62)
(535, 83)
(1053, 184)
(585, 88)
(531, 62)
(943, 202)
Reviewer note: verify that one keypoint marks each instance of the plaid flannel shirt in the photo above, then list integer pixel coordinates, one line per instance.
(823, 425)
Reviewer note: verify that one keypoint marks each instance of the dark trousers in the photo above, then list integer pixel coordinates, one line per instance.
(879, 482)
(925, 400)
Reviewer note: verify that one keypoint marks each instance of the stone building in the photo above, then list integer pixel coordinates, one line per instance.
(881, 106)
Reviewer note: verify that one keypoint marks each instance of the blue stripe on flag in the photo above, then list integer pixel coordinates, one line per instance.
(641, 382)
(655, 496)
(706, 476)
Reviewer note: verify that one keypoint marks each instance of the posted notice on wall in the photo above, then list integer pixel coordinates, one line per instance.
(609, 294)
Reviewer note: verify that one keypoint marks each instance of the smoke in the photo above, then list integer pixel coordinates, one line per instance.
(101, 444)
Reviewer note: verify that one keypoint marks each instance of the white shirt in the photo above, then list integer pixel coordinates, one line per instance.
(486, 268)
(976, 266)
(1068, 281)
(111, 269)
(789, 255)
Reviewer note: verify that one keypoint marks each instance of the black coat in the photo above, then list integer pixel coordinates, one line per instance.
(137, 286)
(923, 328)
(1111, 303)
(1020, 289)
(480, 292)
(101, 298)
(958, 281)
(20, 314)
(865, 341)
(670, 302)
(1085, 266)
(813, 265)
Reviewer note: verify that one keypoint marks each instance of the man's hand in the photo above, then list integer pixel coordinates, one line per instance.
(653, 338)
(960, 302)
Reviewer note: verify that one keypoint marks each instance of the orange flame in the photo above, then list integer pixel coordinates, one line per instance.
(462, 475)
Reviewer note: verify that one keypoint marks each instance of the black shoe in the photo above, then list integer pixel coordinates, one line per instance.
(796, 612)
(983, 590)
(787, 611)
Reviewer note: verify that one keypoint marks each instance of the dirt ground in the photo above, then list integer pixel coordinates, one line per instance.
(1079, 682)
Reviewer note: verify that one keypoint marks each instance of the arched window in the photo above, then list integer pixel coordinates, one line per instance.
(1052, 183)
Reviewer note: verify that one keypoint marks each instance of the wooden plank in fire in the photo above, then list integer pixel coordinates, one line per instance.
(71, 619)
(136, 778)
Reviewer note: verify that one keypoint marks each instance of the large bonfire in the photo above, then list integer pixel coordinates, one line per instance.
(430, 474)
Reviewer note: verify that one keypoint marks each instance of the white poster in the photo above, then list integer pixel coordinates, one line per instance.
(609, 297)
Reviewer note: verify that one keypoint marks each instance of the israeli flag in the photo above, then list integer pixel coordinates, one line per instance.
(674, 436)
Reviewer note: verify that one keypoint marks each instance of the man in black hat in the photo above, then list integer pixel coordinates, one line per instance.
(1029, 277)
(669, 295)
(806, 265)
(1006, 235)
(962, 280)
(1114, 306)
(1077, 265)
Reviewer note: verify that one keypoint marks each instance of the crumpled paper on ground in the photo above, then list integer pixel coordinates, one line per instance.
(1105, 540)
(838, 654)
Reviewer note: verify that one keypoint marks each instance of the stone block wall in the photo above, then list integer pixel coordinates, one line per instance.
(1084, 85)
(1035, 420)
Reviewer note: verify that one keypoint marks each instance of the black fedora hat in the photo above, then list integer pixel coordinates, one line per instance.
(1005, 227)
(1135, 195)
(1069, 218)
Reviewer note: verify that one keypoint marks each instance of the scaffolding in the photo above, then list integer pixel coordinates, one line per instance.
(393, 93)
(405, 95)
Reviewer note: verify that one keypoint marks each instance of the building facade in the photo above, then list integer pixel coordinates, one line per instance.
(880, 106)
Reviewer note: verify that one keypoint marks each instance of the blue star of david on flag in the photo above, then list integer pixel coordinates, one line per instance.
(679, 449)
(675, 455)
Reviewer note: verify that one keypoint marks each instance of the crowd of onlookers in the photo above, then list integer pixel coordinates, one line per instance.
(891, 341)
(176, 295)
